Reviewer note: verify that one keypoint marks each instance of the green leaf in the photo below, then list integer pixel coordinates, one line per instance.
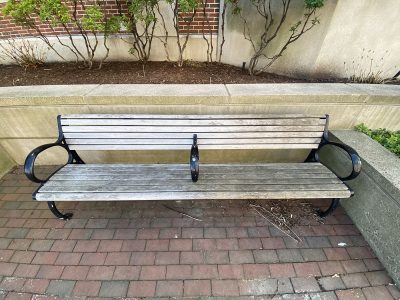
(53, 11)
(20, 11)
(310, 4)
(93, 19)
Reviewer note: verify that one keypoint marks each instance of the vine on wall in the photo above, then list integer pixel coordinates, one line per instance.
(272, 27)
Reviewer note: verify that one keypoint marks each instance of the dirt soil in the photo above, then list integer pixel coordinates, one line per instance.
(132, 72)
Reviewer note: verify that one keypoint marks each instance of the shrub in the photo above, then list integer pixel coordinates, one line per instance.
(22, 52)
(387, 138)
(184, 12)
(142, 18)
(140, 21)
(272, 28)
(58, 14)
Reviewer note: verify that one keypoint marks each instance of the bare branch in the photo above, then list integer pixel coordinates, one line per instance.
(222, 31)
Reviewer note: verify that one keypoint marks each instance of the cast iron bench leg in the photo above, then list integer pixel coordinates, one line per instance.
(331, 208)
(57, 213)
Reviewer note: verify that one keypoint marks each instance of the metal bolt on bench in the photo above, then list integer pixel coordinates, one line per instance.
(77, 181)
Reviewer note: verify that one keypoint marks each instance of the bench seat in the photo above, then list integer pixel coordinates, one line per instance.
(97, 182)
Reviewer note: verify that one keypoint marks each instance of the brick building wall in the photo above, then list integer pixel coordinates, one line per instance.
(205, 20)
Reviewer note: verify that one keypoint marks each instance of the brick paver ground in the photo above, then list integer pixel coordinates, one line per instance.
(142, 249)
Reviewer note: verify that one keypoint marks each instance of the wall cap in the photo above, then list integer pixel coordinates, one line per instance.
(200, 94)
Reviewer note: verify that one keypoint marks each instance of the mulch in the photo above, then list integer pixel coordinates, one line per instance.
(133, 72)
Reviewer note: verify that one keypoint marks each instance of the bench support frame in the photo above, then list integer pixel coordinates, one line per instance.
(334, 204)
(355, 160)
(29, 167)
(57, 213)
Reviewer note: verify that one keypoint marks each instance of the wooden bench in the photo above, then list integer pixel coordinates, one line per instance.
(77, 181)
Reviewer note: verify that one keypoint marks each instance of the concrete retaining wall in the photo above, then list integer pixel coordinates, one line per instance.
(6, 162)
(375, 207)
(28, 114)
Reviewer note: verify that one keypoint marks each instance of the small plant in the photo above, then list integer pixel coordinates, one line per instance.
(22, 52)
(389, 139)
(368, 69)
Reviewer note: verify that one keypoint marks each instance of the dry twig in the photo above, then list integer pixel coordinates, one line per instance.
(285, 215)
(278, 222)
(183, 213)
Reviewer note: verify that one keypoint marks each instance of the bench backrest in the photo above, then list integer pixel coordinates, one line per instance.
(175, 132)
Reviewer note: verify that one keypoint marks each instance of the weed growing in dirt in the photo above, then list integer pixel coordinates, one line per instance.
(368, 69)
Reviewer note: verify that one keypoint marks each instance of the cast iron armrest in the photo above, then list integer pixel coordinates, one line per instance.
(30, 160)
(194, 160)
(355, 159)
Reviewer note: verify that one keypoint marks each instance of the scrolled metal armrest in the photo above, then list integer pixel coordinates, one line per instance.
(355, 159)
(30, 160)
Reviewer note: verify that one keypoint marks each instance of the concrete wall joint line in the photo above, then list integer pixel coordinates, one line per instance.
(89, 91)
(227, 90)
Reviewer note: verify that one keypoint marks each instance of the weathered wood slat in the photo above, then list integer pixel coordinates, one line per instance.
(189, 117)
(185, 147)
(190, 195)
(151, 172)
(178, 122)
(295, 165)
(192, 129)
(189, 187)
(226, 181)
(185, 135)
(179, 170)
(206, 170)
(189, 141)
(128, 177)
